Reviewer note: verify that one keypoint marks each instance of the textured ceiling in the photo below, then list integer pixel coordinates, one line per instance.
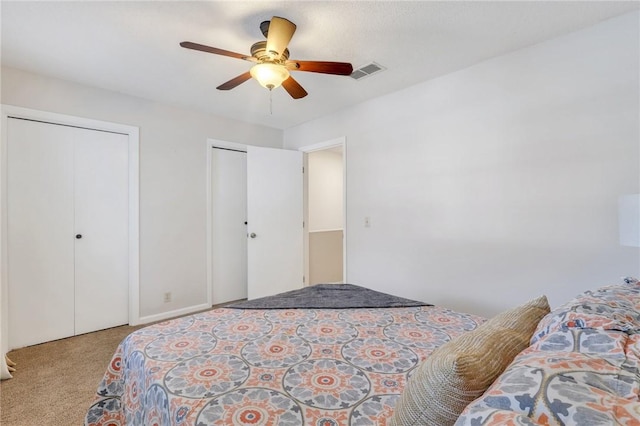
(133, 47)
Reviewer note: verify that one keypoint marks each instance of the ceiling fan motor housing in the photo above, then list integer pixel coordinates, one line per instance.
(259, 51)
(264, 28)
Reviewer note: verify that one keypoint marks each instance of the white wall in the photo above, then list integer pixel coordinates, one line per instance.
(325, 257)
(499, 182)
(172, 177)
(325, 189)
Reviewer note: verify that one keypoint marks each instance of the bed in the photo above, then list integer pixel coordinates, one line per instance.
(324, 355)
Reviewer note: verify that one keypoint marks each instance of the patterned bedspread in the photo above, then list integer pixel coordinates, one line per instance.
(271, 367)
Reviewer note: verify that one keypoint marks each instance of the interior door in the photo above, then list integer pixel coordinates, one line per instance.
(101, 230)
(40, 232)
(229, 229)
(274, 212)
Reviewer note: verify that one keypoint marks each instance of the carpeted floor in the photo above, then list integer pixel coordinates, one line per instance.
(55, 382)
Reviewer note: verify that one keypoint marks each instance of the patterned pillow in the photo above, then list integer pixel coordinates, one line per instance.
(615, 307)
(581, 368)
(573, 384)
(461, 370)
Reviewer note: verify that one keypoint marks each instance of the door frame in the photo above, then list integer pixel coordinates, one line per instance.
(214, 143)
(321, 146)
(133, 133)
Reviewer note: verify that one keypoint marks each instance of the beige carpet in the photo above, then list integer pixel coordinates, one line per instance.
(56, 381)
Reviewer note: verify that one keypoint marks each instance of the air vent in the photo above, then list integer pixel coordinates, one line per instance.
(366, 70)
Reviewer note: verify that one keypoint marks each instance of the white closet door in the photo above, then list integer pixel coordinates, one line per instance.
(101, 218)
(229, 232)
(40, 232)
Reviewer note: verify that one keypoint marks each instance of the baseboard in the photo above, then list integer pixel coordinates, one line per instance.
(173, 314)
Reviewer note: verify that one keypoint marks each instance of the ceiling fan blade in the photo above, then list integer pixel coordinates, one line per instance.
(337, 68)
(234, 82)
(279, 35)
(293, 88)
(216, 51)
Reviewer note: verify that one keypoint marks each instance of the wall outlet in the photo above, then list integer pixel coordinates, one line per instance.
(167, 297)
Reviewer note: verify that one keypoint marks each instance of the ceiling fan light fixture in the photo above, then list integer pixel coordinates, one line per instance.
(269, 75)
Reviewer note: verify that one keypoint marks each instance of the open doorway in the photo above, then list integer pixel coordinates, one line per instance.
(325, 213)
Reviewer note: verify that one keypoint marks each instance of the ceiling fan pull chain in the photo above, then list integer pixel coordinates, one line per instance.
(271, 102)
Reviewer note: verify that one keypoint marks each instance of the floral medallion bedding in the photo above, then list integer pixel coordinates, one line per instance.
(582, 368)
(319, 367)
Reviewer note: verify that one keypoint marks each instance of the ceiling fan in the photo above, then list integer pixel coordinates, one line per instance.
(271, 58)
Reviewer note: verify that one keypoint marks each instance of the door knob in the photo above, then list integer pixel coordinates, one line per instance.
(253, 235)
(78, 236)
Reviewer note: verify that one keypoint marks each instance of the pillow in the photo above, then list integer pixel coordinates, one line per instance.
(614, 307)
(461, 370)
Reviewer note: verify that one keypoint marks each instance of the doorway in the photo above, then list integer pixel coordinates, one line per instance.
(325, 207)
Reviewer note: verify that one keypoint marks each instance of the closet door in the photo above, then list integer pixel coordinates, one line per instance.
(101, 230)
(67, 231)
(40, 232)
(229, 229)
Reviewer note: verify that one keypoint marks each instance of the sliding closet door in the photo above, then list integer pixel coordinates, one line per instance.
(101, 230)
(40, 232)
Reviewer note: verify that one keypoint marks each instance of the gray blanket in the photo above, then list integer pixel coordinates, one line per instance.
(332, 296)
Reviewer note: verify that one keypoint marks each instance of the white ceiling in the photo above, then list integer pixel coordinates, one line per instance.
(132, 46)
